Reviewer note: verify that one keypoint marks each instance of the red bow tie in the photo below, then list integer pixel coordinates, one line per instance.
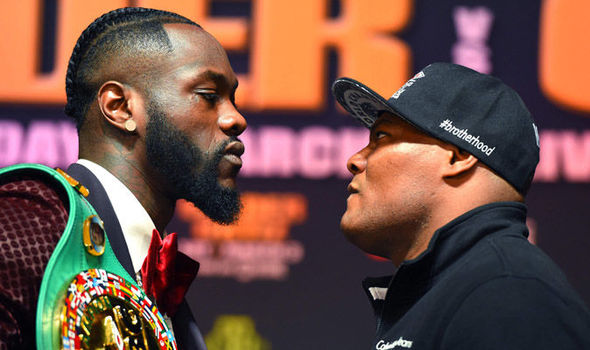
(167, 273)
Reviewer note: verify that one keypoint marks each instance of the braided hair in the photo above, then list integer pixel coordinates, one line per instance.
(123, 32)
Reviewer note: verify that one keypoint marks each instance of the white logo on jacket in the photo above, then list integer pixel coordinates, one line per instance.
(401, 342)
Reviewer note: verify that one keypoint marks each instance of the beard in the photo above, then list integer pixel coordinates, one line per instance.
(192, 173)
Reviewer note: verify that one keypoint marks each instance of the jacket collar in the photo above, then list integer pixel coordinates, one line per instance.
(463, 232)
(450, 241)
(99, 199)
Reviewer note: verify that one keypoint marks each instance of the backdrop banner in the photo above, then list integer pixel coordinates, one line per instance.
(284, 277)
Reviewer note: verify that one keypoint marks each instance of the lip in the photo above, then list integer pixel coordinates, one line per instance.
(231, 162)
(235, 148)
(352, 188)
(233, 159)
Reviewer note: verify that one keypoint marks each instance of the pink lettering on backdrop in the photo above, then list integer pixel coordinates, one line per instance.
(548, 167)
(54, 144)
(11, 138)
(68, 143)
(564, 154)
(316, 152)
(41, 145)
(473, 29)
(575, 150)
(270, 152)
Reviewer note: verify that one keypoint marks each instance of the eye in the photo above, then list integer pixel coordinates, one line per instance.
(209, 97)
(378, 134)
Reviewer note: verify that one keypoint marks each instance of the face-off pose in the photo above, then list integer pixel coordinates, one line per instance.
(152, 94)
(439, 191)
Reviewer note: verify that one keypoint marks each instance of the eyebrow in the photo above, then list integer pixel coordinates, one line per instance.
(219, 79)
(381, 121)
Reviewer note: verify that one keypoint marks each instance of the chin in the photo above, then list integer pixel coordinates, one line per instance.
(345, 226)
(350, 224)
(229, 183)
(352, 233)
(363, 239)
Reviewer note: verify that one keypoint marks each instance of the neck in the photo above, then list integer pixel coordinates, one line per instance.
(458, 197)
(141, 181)
(447, 206)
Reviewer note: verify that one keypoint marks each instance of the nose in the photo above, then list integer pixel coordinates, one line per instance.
(232, 122)
(357, 163)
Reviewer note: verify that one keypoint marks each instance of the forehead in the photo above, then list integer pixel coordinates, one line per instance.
(195, 51)
(399, 126)
(389, 120)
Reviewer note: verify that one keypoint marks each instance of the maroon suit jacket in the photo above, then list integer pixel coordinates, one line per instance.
(33, 216)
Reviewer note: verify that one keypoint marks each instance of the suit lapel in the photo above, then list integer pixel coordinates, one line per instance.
(187, 333)
(101, 203)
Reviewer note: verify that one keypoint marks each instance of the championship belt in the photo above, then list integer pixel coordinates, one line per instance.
(87, 299)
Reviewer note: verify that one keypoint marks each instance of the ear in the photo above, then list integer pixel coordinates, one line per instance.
(458, 162)
(116, 103)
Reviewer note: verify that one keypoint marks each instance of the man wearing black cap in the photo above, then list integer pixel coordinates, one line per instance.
(439, 191)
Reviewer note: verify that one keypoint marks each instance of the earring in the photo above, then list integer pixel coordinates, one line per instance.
(130, 125)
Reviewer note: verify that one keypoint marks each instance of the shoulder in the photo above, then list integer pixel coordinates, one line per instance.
(29, 194)
(520, 260)
(511, 295)
(517, 312)
(507, 254)
(33, 215)
(33, 203)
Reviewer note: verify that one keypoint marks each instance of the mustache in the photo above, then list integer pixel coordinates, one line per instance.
(219, 151)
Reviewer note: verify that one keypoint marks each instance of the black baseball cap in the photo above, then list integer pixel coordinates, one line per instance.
(475, 112)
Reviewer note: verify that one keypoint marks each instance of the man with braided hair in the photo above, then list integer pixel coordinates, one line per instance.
(152, 94)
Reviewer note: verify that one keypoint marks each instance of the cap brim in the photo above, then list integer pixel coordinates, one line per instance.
(360, 101)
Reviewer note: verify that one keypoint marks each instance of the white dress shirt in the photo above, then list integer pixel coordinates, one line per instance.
(136, 224)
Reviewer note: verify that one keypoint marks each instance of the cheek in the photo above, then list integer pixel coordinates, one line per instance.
(202, 135)
(383, 175)
(204, 142)
(397, 184)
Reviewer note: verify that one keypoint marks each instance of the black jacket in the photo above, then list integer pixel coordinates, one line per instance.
(479, 285)
(186, 332)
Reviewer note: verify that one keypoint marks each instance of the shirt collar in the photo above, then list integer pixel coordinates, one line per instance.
(136, 224)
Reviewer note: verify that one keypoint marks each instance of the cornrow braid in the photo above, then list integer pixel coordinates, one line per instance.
(79, 90)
